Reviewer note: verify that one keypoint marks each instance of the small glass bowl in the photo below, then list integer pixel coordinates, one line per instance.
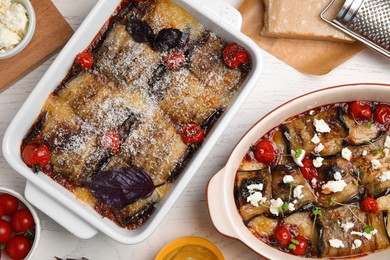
(29, 34)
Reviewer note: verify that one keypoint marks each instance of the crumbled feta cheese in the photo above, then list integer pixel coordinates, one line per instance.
(255, 187)
(314, 181)
(291, 207)
(316, 139)
(356, 244)
(311, 112)
(8, 39)
(321, 126)
(376, 164)
(298, 192)
(336, 243)
(288, 179)
(333, 186)
(387, 142)
(255, 198)
(347, 226)
(364, 153)
(298, 160)
(337, 176)
(364, 234)
(346, 154)
(317, 162)
(386, 152)
(275, 205)
(319, 148)
(385, 176)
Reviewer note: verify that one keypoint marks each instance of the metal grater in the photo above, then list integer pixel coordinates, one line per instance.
(365, 20)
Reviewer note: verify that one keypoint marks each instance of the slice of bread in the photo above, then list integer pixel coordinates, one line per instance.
(300, 19)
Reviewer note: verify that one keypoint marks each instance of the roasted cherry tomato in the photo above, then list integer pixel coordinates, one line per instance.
(1, 211)
(369, 204)
(235, 55)
(308, 170)
(111, 140)
(8, 203)
(85, 60)
(22, 220)
(300, 249)
(18, 247)
(360, 111)
(5, 231)
(382, 114)
(265, 152)
(191, 133)
(282, 234)
(139, 1)
(174, 60)
(36, 156)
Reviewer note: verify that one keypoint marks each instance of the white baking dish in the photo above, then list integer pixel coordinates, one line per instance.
(59, 203)
(220, 197)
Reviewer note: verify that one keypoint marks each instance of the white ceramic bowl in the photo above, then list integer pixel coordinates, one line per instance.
(29, 34)
(59, 203)
(220, 197)
(36, 220)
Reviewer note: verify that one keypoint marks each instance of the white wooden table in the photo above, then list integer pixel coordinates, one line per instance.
(189, 216)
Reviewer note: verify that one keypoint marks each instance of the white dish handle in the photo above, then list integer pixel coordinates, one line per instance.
(217, 206)
(226, 10)
(58, 213)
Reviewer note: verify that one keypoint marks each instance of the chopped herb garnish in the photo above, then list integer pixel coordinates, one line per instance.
(298, 152)
(332, 201)
(360, 173)
(369, 123)
(317, 211)
(283, 208)
(292, 246)
(294, 241)
(368, 229)
(356, 182)
(378, 151)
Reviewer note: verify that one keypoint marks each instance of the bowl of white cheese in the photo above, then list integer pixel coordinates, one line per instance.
(17, 26)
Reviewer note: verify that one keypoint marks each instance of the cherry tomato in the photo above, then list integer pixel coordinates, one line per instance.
(85, 60)
(1, 211)
(22, 220)
(282, 234)
(174, 60)
(360, 111)
(18, 247)
(111, 140)
(139, 1)
(369, 204)
(5, 231)
(191, 133)
(36, 156)
(308, 170)
(9, 203)
(265, 152)
(235, 55)
(382, 114)
(300, 249)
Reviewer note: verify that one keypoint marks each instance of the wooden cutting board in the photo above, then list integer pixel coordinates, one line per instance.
(51, 33)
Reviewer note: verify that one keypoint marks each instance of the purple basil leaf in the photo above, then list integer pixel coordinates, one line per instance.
(120, 187)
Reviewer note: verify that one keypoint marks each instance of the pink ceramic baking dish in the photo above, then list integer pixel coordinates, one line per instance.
(59, 203)
(220, 197)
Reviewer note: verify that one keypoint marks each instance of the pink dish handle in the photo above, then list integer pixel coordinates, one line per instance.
(216, 199)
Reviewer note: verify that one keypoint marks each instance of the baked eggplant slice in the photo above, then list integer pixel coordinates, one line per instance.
(296, 192)
(339, 229)
(303, 223)
(244, 182)
(337, 183)
(300, 131)
(263, 227)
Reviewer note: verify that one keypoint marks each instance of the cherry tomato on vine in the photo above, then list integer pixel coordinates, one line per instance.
(5, 231)
(191, 133)
(265, 152)
(282, 234)
(85, 60)
(382, 114)
(369, 204)
(22, 220)
(8, 203)
(18, 247)
(235, 55)
(36, 156)
(308, 170)
(360, 111)
(300, 248)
